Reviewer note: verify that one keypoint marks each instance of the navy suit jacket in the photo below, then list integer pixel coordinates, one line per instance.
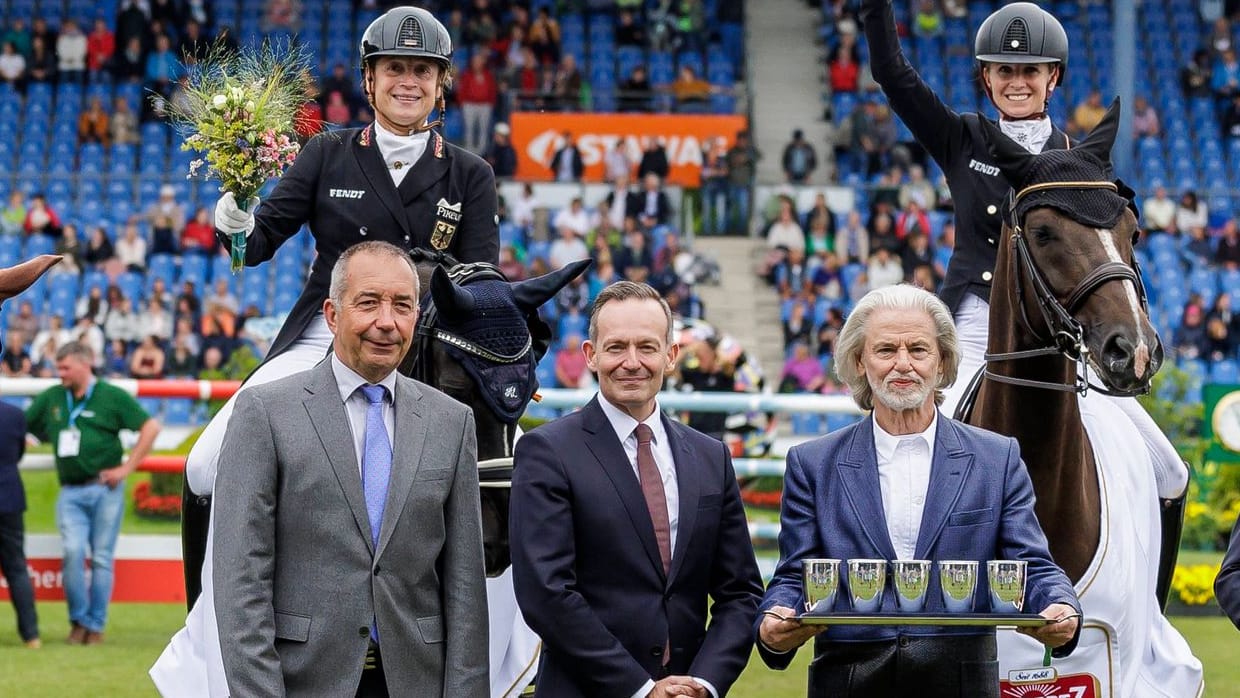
(979, 506)
(587, 571)
(12, 447)
(1227, 584)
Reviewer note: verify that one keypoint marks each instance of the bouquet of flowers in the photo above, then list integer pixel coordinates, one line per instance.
(239, 110)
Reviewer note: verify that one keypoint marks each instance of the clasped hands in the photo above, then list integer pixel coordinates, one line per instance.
(678, 686)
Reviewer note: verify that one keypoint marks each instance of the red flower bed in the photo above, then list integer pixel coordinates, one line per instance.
(155, 506)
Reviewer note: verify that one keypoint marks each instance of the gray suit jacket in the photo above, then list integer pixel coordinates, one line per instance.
(296, 580)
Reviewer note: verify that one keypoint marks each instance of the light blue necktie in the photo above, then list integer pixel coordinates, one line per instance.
(376, 467)
(376, 459)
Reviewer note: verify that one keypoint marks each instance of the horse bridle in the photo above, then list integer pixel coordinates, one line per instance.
(1067, 335)
(427, 330)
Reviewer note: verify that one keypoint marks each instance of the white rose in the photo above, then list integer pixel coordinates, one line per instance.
(219, 101)
(249, 105)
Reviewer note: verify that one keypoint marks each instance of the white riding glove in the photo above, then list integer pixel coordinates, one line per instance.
(231, 219)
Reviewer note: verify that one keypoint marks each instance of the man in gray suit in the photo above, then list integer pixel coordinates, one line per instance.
(347, 517)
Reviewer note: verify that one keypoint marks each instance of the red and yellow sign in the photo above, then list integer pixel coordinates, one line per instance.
(537, 136)
(1067, 686)
(146, 569)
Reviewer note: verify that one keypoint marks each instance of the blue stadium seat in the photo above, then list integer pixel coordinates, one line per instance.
(131, 285)
(1224, 371)
(193, 268)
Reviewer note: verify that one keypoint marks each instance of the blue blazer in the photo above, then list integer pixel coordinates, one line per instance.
(979, 506)
(12, 447)
(586, 566)
(1227, 583)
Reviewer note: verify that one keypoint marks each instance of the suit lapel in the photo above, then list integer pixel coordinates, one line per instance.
(331, 424)
(407, 446)
(858, 472)
(609, 452)
(949, 470)
(688, 463)
(366, 151)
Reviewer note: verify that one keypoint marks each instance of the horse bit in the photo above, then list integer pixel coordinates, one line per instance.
(1067, 334)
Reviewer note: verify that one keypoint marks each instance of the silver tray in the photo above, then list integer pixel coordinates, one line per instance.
(960, 619)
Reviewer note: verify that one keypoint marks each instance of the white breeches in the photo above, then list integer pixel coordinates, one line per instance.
(304, 353)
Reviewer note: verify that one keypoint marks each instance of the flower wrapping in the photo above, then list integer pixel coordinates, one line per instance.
(239, 111)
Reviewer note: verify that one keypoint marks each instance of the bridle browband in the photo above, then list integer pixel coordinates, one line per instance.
(1067, 335)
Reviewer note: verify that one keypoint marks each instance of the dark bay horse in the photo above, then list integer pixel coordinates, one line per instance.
(479, 340)
(1067, 318)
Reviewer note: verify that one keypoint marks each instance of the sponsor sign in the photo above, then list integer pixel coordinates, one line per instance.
(1069, 686)
(537, 137)
(146, 569)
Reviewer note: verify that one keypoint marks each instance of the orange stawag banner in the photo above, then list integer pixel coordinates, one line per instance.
(537, 136)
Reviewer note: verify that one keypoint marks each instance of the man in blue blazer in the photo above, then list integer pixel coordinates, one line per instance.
(1227, 583)
(907, 483)
(12, 528)
(624, 523)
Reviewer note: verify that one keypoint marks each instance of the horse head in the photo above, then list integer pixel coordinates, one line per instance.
(1069, 231)
(18, 278)
(479, 340)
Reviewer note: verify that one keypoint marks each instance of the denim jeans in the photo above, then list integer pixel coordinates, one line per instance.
(89, 516)
(738, 204)
(13, 565)
(714, 207)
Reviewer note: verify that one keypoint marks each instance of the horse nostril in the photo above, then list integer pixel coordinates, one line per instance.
(1117, 353)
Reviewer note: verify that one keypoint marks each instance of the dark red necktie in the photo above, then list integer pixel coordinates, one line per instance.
(656, 498)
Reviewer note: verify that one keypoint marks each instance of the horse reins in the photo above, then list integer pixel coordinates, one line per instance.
(1067, 334)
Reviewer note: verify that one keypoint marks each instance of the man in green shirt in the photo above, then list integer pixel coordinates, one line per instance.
(82, 418)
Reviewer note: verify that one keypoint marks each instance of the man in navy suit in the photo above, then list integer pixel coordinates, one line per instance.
(907, 483)
(12, 529)
(1227, 583)
(624, 522)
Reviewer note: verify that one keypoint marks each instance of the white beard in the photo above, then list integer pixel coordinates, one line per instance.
(900, 401)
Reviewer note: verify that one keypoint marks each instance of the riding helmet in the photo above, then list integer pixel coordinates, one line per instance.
(1022, 33)
(407, 31)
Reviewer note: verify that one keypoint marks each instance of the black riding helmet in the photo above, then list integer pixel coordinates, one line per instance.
(1022, 33)
(407, 31)
(413, 32)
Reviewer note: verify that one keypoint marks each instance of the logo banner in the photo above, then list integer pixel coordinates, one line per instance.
(537, 136)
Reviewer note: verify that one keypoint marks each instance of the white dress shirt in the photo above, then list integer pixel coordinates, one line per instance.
(904, 478)
(624, 426)
(400, 152)
(355, 405)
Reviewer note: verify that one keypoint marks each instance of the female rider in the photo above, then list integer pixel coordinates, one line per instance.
(1022, 53)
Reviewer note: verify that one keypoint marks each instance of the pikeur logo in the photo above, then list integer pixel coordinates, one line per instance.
(447, 211)
(983, 168)
(346, 193)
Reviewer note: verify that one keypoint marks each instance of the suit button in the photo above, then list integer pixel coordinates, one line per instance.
(992, 209)
(377, 568)
(987, 276)
(904, 642)
(656, 651)
(363, 631)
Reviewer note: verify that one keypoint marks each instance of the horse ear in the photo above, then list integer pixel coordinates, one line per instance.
(1099, 141)
(1011, 157)
(16, 279)
(450, 299)
(532, 293)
